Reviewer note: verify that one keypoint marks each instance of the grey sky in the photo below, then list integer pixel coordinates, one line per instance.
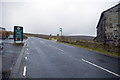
(76, 17)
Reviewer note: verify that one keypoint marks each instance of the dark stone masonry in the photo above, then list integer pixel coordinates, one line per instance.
(108, 28)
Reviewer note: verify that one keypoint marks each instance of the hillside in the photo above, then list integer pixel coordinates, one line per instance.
(85, 38)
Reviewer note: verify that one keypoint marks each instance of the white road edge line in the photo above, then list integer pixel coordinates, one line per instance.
(101, 68)
(24, 72)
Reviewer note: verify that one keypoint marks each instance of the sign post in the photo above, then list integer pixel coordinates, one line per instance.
(18, 33)
(61, 32)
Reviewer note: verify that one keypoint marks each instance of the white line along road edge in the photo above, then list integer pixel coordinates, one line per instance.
(101, 68)
(24, 72)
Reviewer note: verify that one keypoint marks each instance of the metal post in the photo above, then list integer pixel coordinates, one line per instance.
(61, 33)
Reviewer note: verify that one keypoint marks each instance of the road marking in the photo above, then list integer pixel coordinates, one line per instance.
(26, 58)
(27, 45)
(28, 53)
(24, 72)
(101, 68)
(56, 48)
(42, 42)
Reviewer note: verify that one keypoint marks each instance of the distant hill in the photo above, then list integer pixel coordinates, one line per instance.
(86, 38)
(37, 35)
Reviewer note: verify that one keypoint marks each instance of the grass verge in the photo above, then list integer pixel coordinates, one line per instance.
(7, 72)
(18, 44)
(37, 37)
(98, 50)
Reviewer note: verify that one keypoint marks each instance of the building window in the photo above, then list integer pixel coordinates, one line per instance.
(116, 35)
(118, 25)
(115, 38)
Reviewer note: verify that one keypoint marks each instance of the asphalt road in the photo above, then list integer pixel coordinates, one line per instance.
(49, 59)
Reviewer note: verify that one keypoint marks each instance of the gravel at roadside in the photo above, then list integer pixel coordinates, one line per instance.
(9, 56)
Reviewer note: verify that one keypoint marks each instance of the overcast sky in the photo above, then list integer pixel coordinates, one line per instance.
(76, 17)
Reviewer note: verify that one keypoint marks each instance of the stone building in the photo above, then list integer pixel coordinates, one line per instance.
(108, 28)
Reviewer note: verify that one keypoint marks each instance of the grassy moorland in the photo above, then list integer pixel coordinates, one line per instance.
(37, 35)
(90, 47)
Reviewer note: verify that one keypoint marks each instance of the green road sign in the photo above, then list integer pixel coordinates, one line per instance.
(18, 33)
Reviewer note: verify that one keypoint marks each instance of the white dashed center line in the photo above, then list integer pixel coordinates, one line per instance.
(24, 72)
(42, 42)
(27, 53)
(26, 58)
(56, 48)
(101, 68)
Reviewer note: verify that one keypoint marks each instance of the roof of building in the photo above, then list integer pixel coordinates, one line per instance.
(102, 14)
(2, 28)
(112, 7)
